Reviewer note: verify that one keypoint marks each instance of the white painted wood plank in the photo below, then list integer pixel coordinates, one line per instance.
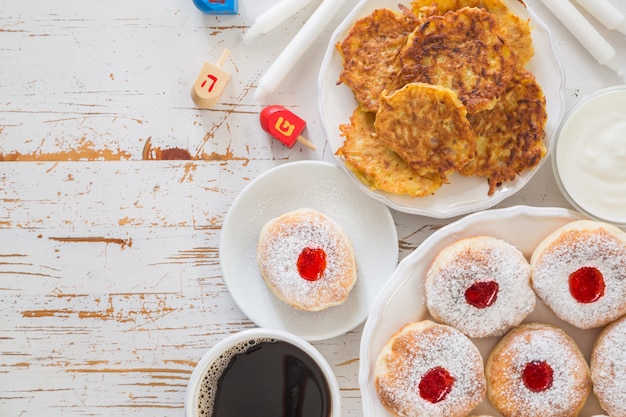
(110, 287)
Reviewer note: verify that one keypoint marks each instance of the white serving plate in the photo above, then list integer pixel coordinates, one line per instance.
(464, 194)
(324, 187)
(402, 301)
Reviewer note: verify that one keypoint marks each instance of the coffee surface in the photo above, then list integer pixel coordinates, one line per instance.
(265, 379)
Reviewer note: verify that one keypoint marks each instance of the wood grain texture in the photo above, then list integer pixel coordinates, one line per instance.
(110, 283)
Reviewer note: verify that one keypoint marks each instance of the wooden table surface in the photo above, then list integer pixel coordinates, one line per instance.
(110, 284)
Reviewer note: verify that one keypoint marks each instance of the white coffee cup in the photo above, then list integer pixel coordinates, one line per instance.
(214, 359)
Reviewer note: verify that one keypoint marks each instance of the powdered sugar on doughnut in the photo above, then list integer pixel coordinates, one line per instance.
(283, 239)
(411, 353)
(581, 244)
(479, 259)
(537, 342)
(608, 368)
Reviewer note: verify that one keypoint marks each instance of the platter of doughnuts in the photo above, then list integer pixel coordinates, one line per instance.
(363, 121)
(532, 337)
(305, 251)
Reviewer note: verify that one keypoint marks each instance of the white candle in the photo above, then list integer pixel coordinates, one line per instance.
(606, 13)
(274, 16)
(297, 47)
(586, 34)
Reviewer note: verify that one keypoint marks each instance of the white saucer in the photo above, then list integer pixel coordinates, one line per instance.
(324, 187)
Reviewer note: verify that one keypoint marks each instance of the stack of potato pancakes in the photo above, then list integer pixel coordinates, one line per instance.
(442, 87)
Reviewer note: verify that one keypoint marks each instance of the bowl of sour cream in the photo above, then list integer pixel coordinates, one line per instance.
(589, 155)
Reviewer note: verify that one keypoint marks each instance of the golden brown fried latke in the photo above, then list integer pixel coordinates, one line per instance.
(510, 137)
(463, 50)
(375, 164)
(427, 126)
(370, 54)
(518, 37)
(443, 6)
(516, 30)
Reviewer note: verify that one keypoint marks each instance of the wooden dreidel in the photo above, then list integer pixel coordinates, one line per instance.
(284, 126)
(210, 83)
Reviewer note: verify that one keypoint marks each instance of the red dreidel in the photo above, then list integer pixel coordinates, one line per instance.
(210, 83)
(284, 126)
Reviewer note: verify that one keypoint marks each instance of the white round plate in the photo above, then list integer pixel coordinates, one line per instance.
(463, 194)
(402, 300)
(324, 187)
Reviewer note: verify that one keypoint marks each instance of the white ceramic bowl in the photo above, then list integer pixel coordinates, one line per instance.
(589, 155)
(463, 194)
(241, 338)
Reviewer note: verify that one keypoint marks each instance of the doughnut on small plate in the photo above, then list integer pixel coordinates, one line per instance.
(402, 301)
(324, 187)
(463, 194)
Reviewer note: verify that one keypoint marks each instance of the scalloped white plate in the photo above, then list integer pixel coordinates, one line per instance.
(464, 194)
(324, 187)
(402, 301)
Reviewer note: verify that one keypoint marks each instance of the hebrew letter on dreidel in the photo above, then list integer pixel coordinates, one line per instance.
(213, 79)
(284, 127)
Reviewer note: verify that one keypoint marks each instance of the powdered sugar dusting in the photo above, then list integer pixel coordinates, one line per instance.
(538, 342)
(569, 252)
(415, 350)
(281, 242)
(608, 368)
(480, 259)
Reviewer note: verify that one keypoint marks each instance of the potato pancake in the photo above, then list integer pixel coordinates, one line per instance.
(370, 54)
(427, 126)
(510, 137)
(517, 31)
(519, 39)
(463, 50)
(442, 6)
(376, 165)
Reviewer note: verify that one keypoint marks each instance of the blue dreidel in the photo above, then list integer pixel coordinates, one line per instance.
(216, 6)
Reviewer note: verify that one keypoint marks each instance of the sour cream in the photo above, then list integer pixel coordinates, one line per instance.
(589, 158)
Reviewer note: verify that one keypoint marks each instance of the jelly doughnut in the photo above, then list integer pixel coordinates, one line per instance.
(429, 369)
(608, 368)
(479, 285)
(579, 271)
(306, 260)
(537, 370)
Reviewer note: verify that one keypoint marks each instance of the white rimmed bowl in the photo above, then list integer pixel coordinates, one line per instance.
(589, 155)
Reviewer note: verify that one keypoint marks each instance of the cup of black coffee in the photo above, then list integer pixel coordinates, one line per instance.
(263, 373)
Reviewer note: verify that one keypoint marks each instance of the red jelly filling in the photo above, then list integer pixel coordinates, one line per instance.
(311, 263)
(586, 284)
(482, 294)
(436, 384)
(537, 376)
